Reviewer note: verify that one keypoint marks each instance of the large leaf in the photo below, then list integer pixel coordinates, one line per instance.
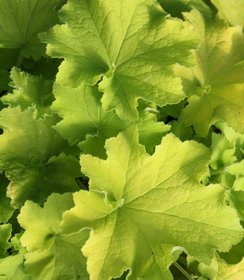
(20, 23)
(230, 272)
(231, 10)
(216, 84)
(12, 268)
(128, 44)
(50, 253)
(30, 155)
(85, 121)
(137, 202)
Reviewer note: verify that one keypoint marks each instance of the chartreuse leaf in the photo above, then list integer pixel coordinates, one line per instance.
(85, 121)
(20, 23)
(29, 91)
(231, 10)
(129, 44)
(220, 270)
(150, 130)
(230, 272)
(51, 254)
(82, 114)
(12, 268)
(222, 156)
(216, 83)
(30, 155)
(137, 202)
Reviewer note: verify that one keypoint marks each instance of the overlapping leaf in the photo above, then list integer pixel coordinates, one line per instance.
(20, 23)
(215, 85)
(220, 270)
(146, 213)
(51, 254)
(231, 10)
(29, 91)
(85, 121)
(82, 114)
(30, 155)
(129, 44)
(12, 268)
(178, 7)
(137, 202)
(230, 272)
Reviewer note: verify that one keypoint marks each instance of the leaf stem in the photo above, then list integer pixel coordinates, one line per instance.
(183, 271)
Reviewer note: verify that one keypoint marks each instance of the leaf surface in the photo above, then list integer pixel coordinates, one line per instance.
(128, 44)
(12, 268)
(85, 122)
(82, 114)
(230, 272)
(29, 91)
(137, 202)
(216, 82)
(231, 10)
(50, 253)
(30, 154)
(20, 23)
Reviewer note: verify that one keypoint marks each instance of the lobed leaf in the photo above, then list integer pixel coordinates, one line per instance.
(137, 202)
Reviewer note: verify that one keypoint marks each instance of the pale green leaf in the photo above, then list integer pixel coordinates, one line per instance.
(216, 81)
(50, 253)
(82, 114)
(230, 272)
(130, 45)
(233, 11)
(29, 91)
(237, 169)
(150, 130)
(30, 155)
(223, 152)
(85, 121)
(145, 201)
(12, 268)
(220, 270)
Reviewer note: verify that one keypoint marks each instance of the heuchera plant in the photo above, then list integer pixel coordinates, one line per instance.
(122, 139)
